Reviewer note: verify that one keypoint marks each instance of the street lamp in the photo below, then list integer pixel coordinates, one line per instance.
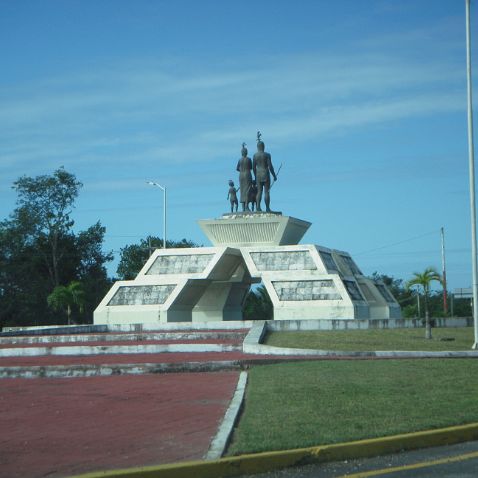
(471, 166)
(152, 183)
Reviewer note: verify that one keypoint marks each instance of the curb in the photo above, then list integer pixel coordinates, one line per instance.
(221, 440)
(96, 370)
(264, 462)
(104, 370)
(253, 345)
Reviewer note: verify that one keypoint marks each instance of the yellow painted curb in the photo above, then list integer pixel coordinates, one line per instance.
(263, 462)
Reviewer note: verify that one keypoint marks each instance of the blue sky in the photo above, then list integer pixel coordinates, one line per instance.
(362, 102)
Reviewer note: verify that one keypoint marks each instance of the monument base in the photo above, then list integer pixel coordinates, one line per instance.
(211, 283)
(254, 228)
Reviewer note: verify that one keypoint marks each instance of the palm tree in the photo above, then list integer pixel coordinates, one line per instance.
(67, 297)
(424, 279)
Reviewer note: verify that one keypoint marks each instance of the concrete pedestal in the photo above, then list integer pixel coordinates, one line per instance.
(211, 283)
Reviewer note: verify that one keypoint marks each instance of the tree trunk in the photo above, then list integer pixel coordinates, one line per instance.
(428, 327)
(54, 256)
(68, 311)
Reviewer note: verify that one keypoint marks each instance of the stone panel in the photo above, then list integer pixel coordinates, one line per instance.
(283, 261)
(142, 295)
(352, 266)
(353, 290)
(180, 264)
(385, 293)
(328, 261)
(367, 292)
(306, 290)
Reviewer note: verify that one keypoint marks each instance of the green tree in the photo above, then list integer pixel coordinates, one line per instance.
(134, 256)
(424, 280)
(258, 305)
(90, 266)
(67, 297)
(39, 251)
(44, 205)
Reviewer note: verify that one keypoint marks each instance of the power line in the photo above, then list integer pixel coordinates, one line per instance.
(397, 243)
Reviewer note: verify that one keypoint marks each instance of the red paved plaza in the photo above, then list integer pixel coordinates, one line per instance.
(61, 427)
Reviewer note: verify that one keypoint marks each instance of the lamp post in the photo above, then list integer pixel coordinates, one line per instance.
(471, 165)
(152, 183)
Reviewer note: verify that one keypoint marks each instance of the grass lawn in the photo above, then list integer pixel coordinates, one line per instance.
(375, 339)
(296, 405)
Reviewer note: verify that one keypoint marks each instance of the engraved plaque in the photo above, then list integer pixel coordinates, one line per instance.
(142, 294)
(180, 264)
(306, 290)
(283, 261)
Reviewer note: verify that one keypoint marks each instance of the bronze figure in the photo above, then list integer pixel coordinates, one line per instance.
(244, 166)
(263, 168)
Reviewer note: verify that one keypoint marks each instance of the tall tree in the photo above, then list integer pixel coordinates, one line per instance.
(424, 280)
(39, 251)
(90, 266)
(44, 207)
(134, 256)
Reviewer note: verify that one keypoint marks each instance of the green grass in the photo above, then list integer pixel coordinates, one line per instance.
(297, 405)
(375, 339)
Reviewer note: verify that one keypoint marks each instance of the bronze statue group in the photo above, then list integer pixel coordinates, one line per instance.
(251, 190)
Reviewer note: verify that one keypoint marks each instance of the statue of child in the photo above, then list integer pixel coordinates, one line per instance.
(252, 195)
(232, 196)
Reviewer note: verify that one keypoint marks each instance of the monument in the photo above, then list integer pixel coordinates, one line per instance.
(210, 283)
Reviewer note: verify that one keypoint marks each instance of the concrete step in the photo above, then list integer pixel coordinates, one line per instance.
(87, 352)
(64, 349)
(67, 360)
(90, 366)
(132, 328)
(123, 337)
(118, 340)
(119, 343)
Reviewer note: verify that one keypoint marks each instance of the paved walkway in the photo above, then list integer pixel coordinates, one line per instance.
(60, 427)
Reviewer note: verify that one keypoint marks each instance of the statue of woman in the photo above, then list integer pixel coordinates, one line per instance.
(244, 166)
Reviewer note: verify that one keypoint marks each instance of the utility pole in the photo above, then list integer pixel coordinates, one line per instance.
(443, 264)
(471, 165)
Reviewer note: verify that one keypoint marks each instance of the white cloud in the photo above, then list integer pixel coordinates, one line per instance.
(151, 113)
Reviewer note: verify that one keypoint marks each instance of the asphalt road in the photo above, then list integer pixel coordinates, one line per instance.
(454, 461)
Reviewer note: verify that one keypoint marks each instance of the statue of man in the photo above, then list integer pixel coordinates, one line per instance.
(244, 166)
(262, 166)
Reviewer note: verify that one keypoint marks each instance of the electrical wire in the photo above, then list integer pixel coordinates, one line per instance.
(397, 243)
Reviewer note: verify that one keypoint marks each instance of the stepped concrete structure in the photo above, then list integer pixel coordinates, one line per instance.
(210, 283)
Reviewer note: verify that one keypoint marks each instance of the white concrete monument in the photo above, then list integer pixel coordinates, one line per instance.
(211, 283)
